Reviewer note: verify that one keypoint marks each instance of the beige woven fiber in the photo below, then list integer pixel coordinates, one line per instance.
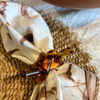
(14, 87)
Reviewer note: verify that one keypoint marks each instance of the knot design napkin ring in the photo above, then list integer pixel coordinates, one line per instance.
(41, 68)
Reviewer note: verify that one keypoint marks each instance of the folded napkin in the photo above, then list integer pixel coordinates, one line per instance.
(68, 82)
(25, 35)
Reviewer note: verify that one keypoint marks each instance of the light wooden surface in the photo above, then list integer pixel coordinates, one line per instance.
(76, 4)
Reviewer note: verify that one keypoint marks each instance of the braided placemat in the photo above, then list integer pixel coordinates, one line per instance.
(14, 87)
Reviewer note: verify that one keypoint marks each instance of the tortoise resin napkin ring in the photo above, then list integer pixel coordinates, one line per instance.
(41, 68)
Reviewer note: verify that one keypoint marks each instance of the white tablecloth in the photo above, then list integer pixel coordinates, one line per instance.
(72, 18)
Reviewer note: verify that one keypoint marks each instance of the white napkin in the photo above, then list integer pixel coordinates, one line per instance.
(68, 82)
(25, 36)
(24, 23)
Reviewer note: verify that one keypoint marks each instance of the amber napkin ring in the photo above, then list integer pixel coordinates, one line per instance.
(41, 68)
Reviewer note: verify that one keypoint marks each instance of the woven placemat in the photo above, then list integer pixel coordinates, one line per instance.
(14, 87)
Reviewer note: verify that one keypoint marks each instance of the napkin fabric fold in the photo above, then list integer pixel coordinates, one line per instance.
(25, 35)
(68, 82)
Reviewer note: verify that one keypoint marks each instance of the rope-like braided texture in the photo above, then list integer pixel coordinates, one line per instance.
(14, 87)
